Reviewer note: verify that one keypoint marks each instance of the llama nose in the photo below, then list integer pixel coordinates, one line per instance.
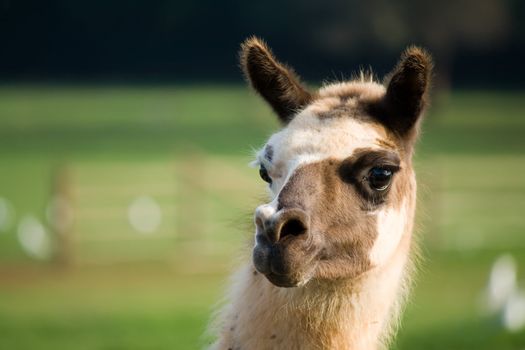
(285, 223)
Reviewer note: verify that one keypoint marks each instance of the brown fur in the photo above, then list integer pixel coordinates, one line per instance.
(334, 206)
(407, 92)
(344, 247)
(274, 81)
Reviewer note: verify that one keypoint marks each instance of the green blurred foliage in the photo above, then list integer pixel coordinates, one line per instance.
(470, 163)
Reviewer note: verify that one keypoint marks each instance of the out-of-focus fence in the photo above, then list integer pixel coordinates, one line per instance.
(107, 212)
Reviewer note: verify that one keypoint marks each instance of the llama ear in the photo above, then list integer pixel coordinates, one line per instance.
(407, 91)
(274, 81)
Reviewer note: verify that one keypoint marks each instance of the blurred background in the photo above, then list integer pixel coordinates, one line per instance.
(125, 134)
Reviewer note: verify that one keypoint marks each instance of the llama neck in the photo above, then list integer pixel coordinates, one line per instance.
(357, 315)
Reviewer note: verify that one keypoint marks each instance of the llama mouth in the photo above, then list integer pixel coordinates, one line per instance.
(282, 281)
(269, 259)
(261, 258)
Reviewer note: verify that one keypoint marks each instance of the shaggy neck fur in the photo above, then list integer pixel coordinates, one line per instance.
(358, 314)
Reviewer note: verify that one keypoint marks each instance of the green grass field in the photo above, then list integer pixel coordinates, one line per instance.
(188, 147)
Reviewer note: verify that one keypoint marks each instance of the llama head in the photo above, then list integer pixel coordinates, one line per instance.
(339, 172)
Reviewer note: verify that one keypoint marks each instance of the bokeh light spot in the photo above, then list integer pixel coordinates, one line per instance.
(145, 214)
(33, 237)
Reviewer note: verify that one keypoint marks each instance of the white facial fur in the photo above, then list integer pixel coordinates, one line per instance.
(391, 225)
(308, 139)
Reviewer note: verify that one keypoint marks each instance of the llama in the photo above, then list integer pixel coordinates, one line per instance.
(333, 248)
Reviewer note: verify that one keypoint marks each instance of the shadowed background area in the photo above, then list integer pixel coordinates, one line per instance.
(125, 134)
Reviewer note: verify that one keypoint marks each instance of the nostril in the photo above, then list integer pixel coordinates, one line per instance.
(293, 227)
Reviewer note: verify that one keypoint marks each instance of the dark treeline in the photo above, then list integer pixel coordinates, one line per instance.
(476, 43)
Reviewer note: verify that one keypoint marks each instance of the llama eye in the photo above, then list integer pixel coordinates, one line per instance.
(264, 174)
(379, 178)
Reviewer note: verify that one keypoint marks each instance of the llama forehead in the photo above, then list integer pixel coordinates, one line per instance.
(326, 129)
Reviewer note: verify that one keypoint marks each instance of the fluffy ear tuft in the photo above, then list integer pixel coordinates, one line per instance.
(407, 91)
(275, 82)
